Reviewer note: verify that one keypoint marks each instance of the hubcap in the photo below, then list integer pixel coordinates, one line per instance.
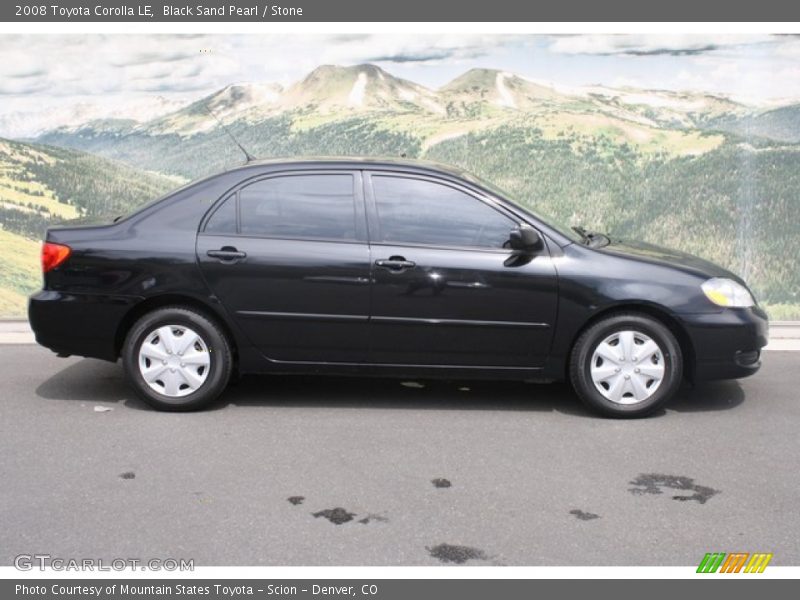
(627, 367)
(174, 360)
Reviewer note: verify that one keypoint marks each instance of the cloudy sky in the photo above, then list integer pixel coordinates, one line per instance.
(47, 72)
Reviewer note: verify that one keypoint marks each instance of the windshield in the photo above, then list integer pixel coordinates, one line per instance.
(559, 225)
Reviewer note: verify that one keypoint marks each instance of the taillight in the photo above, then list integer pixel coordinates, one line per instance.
(53, 255)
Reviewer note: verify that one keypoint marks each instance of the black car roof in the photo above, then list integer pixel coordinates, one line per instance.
(358, 162)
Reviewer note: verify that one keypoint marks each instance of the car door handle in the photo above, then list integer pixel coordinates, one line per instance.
(395, 263)
(227, 253)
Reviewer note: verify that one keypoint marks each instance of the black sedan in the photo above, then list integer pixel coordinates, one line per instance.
(384, 267)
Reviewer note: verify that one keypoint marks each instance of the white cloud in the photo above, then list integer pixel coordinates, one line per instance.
(789, 47)
(651, 45)
(754, 69)
(751, 77)
(86, 64)
(417, 49)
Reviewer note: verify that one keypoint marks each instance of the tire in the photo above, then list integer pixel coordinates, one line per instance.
(610, 382)
(192, 372)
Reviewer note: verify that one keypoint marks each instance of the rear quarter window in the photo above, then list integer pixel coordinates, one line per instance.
(223, 220)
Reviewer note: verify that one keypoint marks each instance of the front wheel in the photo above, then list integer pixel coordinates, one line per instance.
(177, 359)
(626, 365)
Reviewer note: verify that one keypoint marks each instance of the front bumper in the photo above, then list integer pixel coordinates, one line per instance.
(726, 344)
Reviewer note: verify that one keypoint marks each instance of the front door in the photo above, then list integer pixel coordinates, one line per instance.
(445, 289)
(287, 257)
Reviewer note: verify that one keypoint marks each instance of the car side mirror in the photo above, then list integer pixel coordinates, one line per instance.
(525, 239)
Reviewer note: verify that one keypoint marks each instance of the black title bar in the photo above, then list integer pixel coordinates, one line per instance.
(249, 11)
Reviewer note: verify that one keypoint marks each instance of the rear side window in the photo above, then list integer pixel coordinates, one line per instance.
(299, 206)
(418, 211)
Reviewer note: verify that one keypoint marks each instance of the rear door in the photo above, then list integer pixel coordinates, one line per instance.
(288, 258)
(445, 289)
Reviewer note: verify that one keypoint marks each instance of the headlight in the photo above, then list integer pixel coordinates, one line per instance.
(726, 292)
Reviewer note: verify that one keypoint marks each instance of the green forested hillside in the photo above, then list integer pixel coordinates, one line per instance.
(205, 153)
(780, 124)
(42, 185)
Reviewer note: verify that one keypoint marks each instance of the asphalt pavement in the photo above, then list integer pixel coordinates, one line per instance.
(338, 471)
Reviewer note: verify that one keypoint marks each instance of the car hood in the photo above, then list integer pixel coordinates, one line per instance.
(665, 256)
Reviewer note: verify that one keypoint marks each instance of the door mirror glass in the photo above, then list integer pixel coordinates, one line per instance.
(525, 239)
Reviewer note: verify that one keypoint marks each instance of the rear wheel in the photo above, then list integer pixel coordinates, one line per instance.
(177, 359)
(626, 365)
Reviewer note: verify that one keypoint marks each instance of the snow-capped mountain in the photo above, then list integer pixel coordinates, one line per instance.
(226, 105)
(335, 91)
(359, 88)
(500, 89)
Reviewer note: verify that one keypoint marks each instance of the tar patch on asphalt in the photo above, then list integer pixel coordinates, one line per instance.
(583, 516)
(440, 482)
(654, 483)
(337, 515)
(448, 553)
(296, 499)
(127, 475)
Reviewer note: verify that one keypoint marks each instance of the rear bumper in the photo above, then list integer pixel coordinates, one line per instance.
(727, 344)
(80, 324)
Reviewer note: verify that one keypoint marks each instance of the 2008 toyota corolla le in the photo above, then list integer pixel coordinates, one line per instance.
(387, 267)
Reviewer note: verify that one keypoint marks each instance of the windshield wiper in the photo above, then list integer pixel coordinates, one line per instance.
(590, 238)
(581, 232)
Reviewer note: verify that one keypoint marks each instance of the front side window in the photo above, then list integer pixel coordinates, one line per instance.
(319, 206)
(418, 211)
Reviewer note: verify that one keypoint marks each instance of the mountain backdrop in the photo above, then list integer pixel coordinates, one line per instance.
(695, 171)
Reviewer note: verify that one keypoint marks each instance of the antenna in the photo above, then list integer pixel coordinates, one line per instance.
(249, 157)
